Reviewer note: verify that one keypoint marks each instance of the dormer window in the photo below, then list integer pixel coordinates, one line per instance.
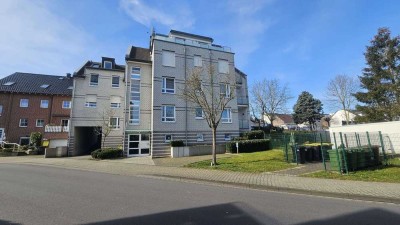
(107, 65)
(44, 86)
(9, 83)
(70, 87)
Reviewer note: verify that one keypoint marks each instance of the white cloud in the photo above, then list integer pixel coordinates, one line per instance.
(179, 17)
(36, 40)
(248, 27)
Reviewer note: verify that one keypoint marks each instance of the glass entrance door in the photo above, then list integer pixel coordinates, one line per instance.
(139, 145)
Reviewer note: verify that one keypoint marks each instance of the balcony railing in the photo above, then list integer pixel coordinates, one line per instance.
(56, 129)
(242, 101)
(243, 124)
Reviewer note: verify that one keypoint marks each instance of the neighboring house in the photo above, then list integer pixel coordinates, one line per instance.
(339, 118)
(284, 121)
(35, 103)
(98, 99)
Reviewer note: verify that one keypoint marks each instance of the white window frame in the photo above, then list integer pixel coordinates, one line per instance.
(166, 90)
(41, 104)
(115, 105)
(227, 119)
(166, 139)
(134, 105)
(197, 61)
(68, 104)
(25, 138)
(37, 120)
(92, 83)
(90, 104)
(202, 113)
(223, 66)
(227, 93)
(1, 111)
(166, 61)
(117, 125)
(200, 137)
(107, 62)
(227, 137)
(23, 102)
(164, 117)
(20, 120)
(112, 79)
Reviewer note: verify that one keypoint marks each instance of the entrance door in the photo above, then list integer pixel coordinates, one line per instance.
(138, 145)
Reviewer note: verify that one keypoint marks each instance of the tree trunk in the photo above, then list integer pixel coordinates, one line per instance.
(214, 147)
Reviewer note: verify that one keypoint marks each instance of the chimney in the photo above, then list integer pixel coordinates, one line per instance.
(68, 75)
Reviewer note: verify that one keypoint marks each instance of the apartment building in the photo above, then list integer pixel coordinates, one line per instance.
(97, 107)
(35, 103)
(153, 112)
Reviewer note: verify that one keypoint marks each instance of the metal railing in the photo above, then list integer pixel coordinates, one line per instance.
(56, 129)
(242, 101)
(15, 145)
(194, 43)
(243, 124)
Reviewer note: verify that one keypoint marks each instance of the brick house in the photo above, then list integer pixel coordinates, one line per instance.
(35, 103)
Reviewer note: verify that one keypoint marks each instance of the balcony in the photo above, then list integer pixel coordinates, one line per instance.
(242, 101)
(243, 124)
(56, 129)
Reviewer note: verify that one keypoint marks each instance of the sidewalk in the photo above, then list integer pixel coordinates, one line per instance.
(387, 192)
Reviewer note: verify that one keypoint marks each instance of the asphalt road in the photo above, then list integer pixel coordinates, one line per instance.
(47, 195)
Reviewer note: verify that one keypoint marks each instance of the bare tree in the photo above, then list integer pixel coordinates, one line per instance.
(211, 92)
(269, 98)
(340, 92)
(105, 125)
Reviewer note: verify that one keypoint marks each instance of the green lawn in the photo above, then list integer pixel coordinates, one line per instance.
(381, 174)
(256, 162)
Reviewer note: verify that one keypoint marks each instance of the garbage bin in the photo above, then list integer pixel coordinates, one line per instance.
(301, 155)
(308, 154)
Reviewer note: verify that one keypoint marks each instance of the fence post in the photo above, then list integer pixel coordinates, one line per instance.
(344, 154)
(370, 147)
(337, 154)
(286, 148)
(383, 149)
(322, 151)
(345, 139)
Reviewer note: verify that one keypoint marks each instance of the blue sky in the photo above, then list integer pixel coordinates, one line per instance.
(301, 43)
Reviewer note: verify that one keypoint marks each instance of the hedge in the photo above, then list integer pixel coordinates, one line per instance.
(109, 153)
(249, 146)
(177, 143)
(255, 134)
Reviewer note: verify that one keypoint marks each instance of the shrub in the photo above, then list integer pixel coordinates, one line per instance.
(177, 143)
(249, 146)
(6, 150)
(8, 145)
(108, 153)
(255, 134)
(36, 138)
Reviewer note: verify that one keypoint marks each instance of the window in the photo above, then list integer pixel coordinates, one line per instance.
(115, 102)
(70, 87)
(1, 110)
(198, 61)
(134, 98)
(168, 138)
(64, 123)
(44, 86)
(200, 137)
(114, 122)
(228, 137)
(23, 122)
(24, 103)
(115, 82)
(168, 85)
(91, 101)
(107, 65)
(180, 40)
(39, 123)
(168, 113)
(168, 58)
(223, 66)
(44, 104)
(94, 80)
(66, 104)
(225, 90)
(199, 113)
(226, 116)
(24, 140)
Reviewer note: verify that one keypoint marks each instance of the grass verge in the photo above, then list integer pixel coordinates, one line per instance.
(256, 162)
(390, 174)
